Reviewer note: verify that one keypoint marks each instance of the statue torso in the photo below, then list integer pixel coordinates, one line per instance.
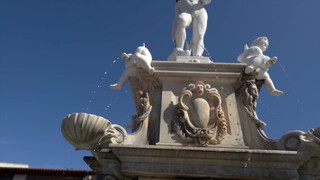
(189, 2)
(189, 6)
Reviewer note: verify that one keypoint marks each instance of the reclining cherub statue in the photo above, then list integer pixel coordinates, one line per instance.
(257, 62)
(140, 59)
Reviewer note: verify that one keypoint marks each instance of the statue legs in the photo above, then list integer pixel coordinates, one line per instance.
(199, 23)
(268, 83)
(124, 78)
(198, 20)
(181, 22)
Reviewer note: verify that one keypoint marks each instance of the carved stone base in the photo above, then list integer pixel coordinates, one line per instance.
(182, 162)
(195, 59)
(201, 128)
(209, 117)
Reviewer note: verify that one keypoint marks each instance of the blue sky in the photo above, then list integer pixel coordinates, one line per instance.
(59, 57)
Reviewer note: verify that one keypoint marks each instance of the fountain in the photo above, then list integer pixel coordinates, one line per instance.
(194, 118)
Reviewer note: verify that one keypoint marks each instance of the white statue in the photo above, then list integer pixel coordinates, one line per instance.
(140, 59)
(189, 14)
(257, 61)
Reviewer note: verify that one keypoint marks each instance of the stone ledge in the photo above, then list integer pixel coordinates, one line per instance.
(193, 59)
(181, 161)
(202, 67)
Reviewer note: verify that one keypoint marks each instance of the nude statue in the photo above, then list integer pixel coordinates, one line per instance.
(140, 59)
(257, 62)
(189, 14)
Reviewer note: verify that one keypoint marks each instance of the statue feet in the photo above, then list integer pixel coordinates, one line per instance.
(115, 86)
(276, 92)
(178, 52)
(181, 52)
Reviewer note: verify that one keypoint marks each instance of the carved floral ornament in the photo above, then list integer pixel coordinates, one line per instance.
(199, 117)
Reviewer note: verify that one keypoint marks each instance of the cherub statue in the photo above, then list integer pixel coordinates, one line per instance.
(189, 14)
(140, 59)
(257, 62)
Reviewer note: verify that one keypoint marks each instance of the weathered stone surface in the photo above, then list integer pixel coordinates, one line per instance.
(197, 162)
(88, 131)
(194, 59)
(174, 77)
(198, 96)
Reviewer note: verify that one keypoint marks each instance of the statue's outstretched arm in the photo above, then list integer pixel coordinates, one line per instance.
(272, 61)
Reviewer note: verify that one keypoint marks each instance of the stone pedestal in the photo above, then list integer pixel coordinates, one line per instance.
(240, 155)
(199, 59)
(197, 121)
(180, 162)
(175, 76)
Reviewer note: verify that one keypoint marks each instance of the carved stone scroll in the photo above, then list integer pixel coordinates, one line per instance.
(199, 117)
(304, 143)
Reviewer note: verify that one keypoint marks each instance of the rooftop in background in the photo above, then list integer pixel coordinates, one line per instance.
(13, 165)
(12, 170)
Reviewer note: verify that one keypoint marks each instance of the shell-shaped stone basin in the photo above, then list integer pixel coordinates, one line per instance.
(83, 130)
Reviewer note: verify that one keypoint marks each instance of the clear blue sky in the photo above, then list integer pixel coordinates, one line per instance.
(59, 57)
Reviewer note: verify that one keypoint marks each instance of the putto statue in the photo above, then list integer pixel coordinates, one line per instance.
(257, 62)
(140, 59)
(189, 14)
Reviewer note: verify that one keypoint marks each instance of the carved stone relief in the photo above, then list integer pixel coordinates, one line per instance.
(199, 118)
(144, 109)
(248, 91)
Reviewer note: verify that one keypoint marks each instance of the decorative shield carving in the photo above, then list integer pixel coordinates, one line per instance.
(199, 117)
